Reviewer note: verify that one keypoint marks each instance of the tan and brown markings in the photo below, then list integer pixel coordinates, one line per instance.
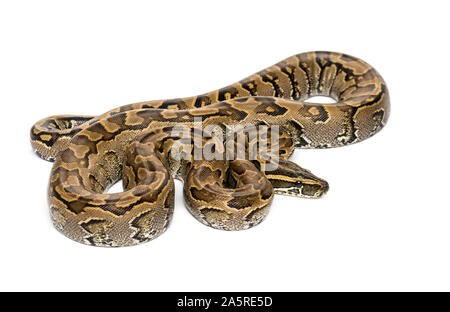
(133, 143)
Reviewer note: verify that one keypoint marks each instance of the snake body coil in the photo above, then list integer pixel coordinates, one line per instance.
(135, 143)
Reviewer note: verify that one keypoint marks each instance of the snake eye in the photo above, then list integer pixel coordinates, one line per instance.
(298, 183)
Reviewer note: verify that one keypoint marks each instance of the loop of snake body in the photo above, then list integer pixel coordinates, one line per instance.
(133, 143)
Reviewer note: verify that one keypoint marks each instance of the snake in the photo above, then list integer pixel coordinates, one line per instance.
(136, 143)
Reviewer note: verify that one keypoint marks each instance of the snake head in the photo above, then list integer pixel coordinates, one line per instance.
(293, 180)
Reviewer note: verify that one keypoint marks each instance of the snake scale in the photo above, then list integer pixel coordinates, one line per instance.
(134, 143)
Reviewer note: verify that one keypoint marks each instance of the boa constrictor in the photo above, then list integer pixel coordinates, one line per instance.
(133, 143)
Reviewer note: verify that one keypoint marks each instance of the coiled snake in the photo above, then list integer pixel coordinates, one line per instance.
(135, 143)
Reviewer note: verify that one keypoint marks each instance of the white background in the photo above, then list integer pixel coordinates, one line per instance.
(384, 224)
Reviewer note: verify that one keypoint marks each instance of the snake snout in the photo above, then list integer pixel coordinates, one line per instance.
(312, 188)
